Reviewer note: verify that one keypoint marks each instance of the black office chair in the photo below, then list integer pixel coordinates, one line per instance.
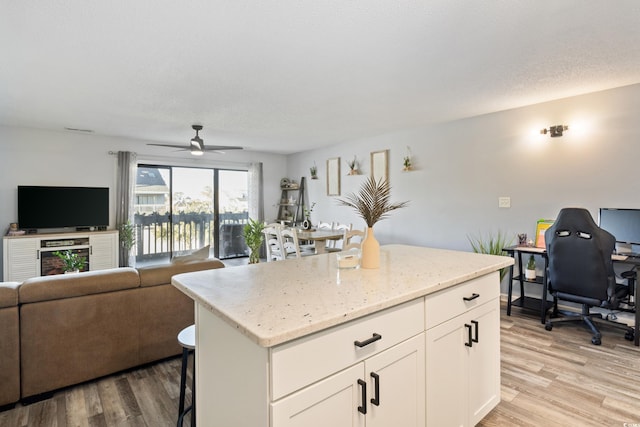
(580, 270)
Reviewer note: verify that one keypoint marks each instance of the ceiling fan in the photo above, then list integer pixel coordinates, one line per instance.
(196, 145)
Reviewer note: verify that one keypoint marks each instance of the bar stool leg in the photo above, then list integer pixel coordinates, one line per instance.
(183, 383)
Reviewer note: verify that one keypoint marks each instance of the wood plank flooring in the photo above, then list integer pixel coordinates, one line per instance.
(555, 378)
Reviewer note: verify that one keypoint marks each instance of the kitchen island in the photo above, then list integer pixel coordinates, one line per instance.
(303, 343)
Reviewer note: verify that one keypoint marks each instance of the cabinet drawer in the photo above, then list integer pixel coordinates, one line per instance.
(449, 303)
(309, 359)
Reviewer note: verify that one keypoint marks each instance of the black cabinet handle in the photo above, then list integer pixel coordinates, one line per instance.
(374, 338)
(376, 389)
(469, 342)
(472, 297)
(475, 323)
(363, 409)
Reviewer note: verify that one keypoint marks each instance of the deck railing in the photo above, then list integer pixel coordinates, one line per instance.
(189, 231)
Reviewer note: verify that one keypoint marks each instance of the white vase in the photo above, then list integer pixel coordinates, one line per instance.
(529, 274)
(370, 251)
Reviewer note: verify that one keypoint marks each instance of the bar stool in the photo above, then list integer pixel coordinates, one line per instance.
(187, 339)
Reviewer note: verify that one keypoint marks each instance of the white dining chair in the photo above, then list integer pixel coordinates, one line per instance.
(273, 242)
(352, 239)
(290, 245)
(336, 245)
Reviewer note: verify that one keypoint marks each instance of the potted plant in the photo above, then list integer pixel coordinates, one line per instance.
(252, 232)
(353, 166)
(306, 224)
(372, 203)
(493, 244)
(127, 240)
(314, 171)
(530, 271)
(71, 261)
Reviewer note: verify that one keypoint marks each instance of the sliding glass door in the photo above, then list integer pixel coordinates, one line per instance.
(179, 210)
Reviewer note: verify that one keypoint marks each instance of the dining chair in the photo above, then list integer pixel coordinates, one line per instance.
(352, 239)
(273, 242)
(336, 245)
(290, 245)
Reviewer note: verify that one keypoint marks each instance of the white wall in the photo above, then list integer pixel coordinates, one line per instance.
(462, 168)
(36, 157)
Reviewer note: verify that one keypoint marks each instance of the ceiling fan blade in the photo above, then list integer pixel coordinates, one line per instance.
(181, 147)
(220, 148)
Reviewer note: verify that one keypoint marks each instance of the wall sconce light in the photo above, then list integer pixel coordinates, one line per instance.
(555, 130)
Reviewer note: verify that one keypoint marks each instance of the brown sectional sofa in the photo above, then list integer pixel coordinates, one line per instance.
(66, 329)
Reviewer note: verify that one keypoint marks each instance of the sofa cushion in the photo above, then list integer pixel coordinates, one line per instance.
(154, 275)
(61, 286)
(9, 294)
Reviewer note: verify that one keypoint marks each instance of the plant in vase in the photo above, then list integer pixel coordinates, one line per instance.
(252, 233)
(353, 166)
(530, 271)
(313, 170)
(126, 233)
(306, 224)
(373, 204)
(71, 261)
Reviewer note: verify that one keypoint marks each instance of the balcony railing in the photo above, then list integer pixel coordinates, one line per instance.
(189, 231)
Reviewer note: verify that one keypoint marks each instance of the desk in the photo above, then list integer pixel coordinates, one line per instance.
(542, 304)
(320, 236)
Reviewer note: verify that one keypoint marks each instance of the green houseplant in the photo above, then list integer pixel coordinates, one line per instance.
(491, 245)
(127, 240)
(72, 262)
(252, 232)
(530, 272)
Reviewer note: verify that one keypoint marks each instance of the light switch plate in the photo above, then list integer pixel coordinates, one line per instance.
(504, 202)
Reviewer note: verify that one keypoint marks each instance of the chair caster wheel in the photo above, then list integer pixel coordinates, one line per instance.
(596, 341)
(629, 335)
(548, 326)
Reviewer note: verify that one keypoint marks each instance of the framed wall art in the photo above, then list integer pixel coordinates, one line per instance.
(380, 165)
(333, 176)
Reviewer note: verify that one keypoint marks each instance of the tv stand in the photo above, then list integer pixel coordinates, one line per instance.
(22, 255)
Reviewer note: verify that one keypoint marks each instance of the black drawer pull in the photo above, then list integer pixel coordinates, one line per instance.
(472, 297)
(469, 342)
(376, 389)
(374, 338)
(363, 409)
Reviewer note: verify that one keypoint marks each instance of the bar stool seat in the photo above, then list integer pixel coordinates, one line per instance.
(187, 339)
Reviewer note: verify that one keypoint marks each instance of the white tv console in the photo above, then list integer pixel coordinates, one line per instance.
(22, 254)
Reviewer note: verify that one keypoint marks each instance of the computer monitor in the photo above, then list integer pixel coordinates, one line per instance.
(624, 224)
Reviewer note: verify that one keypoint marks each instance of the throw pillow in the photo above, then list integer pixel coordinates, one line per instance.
(200, 254)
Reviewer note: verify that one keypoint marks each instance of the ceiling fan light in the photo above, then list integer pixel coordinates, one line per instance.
(196, 150)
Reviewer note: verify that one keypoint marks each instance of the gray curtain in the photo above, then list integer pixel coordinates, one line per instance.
(125, 189)
(256, 192)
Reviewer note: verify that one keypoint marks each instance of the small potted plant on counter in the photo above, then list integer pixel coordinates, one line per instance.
(71, 261)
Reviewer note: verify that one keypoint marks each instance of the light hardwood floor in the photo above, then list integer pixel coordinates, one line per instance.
(555, 378)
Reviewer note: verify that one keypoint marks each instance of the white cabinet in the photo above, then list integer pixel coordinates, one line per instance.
(22, 255)
(103, 251)
(386, 389)
(20, 259)
(463, 355)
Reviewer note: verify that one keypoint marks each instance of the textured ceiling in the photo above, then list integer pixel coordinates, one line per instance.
(291, 75)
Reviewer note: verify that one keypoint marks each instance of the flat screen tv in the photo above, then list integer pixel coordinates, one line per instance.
(62, 207)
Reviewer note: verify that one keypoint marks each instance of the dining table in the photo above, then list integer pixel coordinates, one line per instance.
(320, 237)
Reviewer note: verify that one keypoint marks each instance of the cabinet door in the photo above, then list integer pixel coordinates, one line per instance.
(104, 251)
(21, 259)
(464, 381)
(447, 374)
(330, 402)
(399, 376)
(484, 362)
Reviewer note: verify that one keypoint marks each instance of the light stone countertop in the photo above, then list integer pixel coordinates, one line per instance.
(275, 302)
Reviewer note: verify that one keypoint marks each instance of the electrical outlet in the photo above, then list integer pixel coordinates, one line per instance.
(504, 202)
